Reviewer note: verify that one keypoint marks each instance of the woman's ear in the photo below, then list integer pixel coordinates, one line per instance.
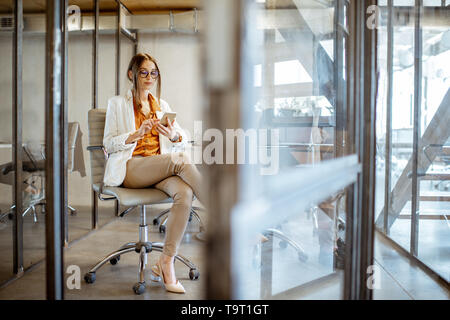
(130, 75)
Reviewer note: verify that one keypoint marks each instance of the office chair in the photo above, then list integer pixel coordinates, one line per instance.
(127, 197)
(32, 186)
(331, 208)
(314, 156)
(162, 225)
(34, 175)
(73, 133)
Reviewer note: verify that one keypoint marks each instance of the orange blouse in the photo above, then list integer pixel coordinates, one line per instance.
(149, 144)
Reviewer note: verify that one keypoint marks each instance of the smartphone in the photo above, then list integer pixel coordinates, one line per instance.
(168, 116)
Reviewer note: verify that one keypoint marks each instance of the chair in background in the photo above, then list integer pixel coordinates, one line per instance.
(33, 186)
(34, 173)
(127, 197)
(75, 159)
(330, 207)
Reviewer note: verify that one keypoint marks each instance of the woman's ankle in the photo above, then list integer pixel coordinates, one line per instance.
(166, 259)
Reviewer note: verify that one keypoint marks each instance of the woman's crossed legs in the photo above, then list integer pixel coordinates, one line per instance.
(180, 180)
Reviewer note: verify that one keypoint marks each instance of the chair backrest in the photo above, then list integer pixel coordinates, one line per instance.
(96, 126)
(74, 128)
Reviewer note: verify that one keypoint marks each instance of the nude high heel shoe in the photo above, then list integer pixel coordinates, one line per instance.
(171, 287)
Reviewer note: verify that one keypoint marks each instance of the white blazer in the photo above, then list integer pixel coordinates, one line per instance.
(120, 123)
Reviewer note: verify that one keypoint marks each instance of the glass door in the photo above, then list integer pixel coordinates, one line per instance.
(6, 151)
(284, 175)
(413, 131)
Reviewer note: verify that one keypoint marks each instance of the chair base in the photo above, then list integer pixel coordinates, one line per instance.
(193, 214)
(285, 240)
(32, 208)
(143, 247)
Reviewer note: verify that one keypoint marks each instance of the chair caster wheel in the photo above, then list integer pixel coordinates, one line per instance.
(139, 288)
(194, 274)
(89, 277)
(162, 229)
(72, 213)
(283, 244)
(303, 257)
(115, 260)
(155, 221)
(10, 216)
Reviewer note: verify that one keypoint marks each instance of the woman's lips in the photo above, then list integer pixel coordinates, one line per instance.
(148, 83)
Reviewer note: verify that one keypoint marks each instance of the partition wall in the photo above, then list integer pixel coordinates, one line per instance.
(333, 117)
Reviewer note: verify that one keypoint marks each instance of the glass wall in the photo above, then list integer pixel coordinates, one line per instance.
(33, 124)
(295, 95)
(22, 232)
(413, 134)
(6, 153)
(434, 145)
(289, 222)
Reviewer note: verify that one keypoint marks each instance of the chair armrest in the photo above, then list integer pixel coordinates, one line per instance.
(94, 148)
(91, 148)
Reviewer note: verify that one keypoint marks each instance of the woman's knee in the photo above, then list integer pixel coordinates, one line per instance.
(181, 161)
(181, 157)
(184, 195)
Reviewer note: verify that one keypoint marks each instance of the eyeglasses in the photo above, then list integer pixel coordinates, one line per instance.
(144, 73)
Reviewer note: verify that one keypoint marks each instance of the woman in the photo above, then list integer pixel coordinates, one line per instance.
(139, 149)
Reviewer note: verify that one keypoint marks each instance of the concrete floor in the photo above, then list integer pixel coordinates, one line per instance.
(115, 282)
(402, 279)
(34, 234)
(399, 279)
(433, 242)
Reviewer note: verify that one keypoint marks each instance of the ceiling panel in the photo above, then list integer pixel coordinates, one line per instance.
(135, 6)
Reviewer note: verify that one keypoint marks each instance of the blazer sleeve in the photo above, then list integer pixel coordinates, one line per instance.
(113, 140)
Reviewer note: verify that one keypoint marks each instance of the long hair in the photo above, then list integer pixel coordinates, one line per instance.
(134, 66)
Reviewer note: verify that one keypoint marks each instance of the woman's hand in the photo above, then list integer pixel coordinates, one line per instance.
(145, 127)
(168, 131)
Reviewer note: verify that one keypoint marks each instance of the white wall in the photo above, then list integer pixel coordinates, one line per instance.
(178, 59)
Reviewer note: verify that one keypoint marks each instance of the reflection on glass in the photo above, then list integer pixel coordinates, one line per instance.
(381, 120)
(298, 251)
(294, 95)
(6, 178)
(402, 132)
(292, 71)
(294, 78)
(434, 154)
(433, 145)
(33, 131)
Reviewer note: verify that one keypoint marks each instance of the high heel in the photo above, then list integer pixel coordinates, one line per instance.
(171, 287)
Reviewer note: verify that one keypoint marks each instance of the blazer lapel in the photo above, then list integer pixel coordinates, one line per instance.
(130, 110)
